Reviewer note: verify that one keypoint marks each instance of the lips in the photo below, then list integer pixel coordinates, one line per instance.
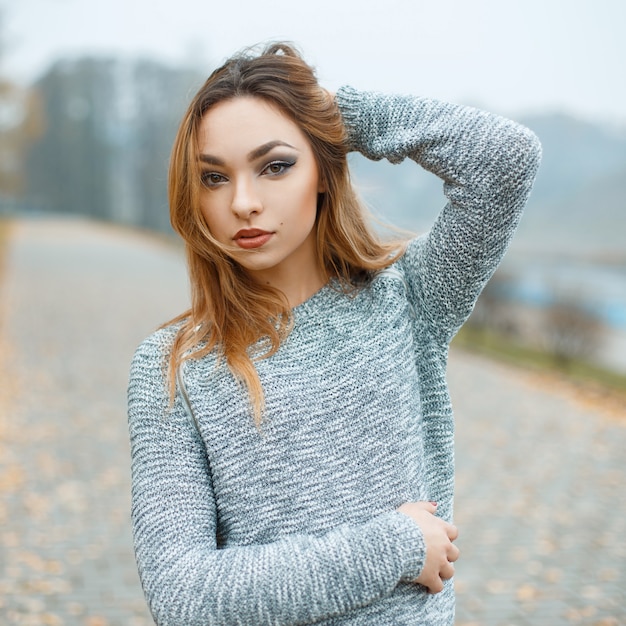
(249, 238)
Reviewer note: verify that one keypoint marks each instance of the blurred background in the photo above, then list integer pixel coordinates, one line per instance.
(91, 94)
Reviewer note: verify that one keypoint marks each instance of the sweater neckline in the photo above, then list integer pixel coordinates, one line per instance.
(310, 303)
(330, 292)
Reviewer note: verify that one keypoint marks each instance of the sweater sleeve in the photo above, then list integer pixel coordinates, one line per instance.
(487, 165)
(188, 579)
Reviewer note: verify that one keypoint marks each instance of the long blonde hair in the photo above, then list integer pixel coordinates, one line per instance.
(230, 312)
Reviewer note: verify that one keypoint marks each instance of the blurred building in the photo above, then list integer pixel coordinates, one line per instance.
(108, 130)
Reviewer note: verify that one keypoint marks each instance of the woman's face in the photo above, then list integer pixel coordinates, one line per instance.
(260, 184)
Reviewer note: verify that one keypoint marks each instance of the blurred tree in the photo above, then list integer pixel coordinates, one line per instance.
(20, 124)
(570, 332)
(494, 311)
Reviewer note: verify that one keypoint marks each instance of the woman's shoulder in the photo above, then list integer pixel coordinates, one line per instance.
(397, 274)
(156, 348)
(404, 265)
(404, 275)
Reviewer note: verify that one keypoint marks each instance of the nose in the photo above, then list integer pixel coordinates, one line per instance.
(246, 200)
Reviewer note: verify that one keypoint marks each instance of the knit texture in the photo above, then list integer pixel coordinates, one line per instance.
(296, 522)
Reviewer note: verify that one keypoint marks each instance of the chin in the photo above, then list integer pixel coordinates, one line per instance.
(255, 265)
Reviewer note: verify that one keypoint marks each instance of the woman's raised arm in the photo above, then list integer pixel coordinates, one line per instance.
(487, 164)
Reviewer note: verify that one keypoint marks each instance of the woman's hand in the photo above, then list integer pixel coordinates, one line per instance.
(438, 538)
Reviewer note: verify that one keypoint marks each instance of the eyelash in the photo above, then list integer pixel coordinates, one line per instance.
(284, 166)
(206, 181)
(206, 177)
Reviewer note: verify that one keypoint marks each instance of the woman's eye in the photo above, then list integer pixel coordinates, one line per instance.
(212, 179)
(276, 168)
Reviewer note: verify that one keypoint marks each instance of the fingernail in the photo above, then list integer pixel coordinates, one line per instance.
(433, 503)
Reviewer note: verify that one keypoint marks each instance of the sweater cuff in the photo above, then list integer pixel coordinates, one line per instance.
(350, 103)
(409, 544)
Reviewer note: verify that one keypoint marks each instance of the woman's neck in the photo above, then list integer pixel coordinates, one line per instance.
(298, 276)
(297, 283)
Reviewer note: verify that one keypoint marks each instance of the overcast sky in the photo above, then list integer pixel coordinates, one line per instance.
(512, 56)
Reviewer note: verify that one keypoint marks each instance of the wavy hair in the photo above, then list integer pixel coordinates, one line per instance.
(230, 312)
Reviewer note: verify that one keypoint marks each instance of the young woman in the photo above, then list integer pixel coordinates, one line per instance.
(292, 434)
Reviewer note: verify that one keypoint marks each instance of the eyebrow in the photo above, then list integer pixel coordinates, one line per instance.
(257, 153)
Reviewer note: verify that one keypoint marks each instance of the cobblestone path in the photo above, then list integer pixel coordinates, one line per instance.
(541, 501)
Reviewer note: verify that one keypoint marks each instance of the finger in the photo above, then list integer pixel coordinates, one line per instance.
(453, 532)
(431, 507)
(436, 586)
(447, 571)
(453, 553)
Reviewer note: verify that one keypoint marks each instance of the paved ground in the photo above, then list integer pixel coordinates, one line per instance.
(541, 473)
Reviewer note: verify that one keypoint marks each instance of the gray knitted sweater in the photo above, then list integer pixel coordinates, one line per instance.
(296, 523)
